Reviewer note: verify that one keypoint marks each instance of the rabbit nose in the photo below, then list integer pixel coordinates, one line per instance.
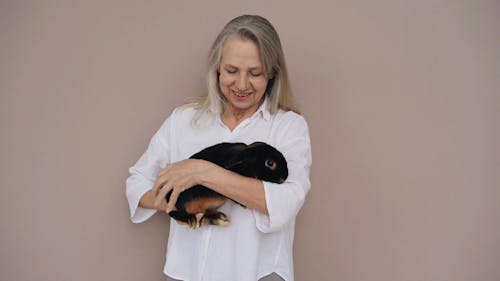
(281, 181)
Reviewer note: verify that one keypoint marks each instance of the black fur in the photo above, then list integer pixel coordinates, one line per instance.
(258, 160)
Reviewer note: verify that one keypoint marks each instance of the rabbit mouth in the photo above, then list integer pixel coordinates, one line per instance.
(280, 181)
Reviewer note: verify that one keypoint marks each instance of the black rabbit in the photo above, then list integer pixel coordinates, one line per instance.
(198, 205)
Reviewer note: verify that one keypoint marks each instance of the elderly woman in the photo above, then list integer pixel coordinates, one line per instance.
(249, 99)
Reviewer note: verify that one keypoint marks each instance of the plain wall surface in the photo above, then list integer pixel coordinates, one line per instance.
(402, 99)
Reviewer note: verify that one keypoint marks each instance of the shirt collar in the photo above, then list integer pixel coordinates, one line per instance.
(264, 109)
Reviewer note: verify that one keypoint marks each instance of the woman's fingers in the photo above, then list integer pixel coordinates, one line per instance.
(176, 191)
(161, 179)
(162, 193)
(173, 199)
(158, 184)
(177, 177)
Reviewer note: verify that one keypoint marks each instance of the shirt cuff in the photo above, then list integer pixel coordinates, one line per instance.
(138, 214)
(274, 221)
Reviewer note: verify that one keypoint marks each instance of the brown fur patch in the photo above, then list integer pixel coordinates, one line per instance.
(199, 205)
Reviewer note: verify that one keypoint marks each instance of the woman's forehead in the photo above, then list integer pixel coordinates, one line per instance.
(239, 52)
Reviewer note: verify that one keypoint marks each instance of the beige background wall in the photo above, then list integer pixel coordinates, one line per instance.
(402, 98)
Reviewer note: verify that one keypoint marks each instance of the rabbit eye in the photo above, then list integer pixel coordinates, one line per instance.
(270, 164)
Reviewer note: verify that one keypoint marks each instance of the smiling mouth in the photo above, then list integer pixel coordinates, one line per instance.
(241, 94)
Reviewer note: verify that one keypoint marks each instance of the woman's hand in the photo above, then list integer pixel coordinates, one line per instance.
(178, 177)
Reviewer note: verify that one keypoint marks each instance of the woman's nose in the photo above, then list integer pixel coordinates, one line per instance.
(242, 82)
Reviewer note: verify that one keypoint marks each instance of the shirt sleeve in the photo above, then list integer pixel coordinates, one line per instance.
(285, 200)
(143, 173)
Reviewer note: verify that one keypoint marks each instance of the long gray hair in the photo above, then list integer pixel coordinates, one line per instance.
(260, 31)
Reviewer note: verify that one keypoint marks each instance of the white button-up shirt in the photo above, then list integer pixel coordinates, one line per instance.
(254, 244)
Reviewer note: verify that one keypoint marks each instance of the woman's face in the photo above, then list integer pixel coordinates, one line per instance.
(241, 76)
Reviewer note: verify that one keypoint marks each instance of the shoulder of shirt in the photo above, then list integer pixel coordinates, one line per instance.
(290, 117)
(182, 113)
(178, 116)
(185, 115)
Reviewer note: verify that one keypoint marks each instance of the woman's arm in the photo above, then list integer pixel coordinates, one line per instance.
(144, 173)
(184, 174)
(147, 201)
(245, 190)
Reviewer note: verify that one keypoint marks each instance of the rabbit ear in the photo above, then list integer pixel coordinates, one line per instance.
(235, 164)
(237, 156)
(256, 144)
(238, 147)
(254, 148)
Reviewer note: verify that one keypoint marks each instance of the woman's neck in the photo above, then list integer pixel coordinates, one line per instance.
(232, 117)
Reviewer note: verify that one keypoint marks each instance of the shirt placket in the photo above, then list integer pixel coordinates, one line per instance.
(229, 136)
(206, 244)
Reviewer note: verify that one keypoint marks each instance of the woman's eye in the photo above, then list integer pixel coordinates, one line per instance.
(254, 74)
(231, 71)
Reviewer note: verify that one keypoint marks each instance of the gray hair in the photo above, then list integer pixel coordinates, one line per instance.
(260, 31)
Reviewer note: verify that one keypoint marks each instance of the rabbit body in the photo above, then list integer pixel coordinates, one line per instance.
(198, 205)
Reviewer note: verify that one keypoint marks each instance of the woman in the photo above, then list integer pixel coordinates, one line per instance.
(249, 99)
